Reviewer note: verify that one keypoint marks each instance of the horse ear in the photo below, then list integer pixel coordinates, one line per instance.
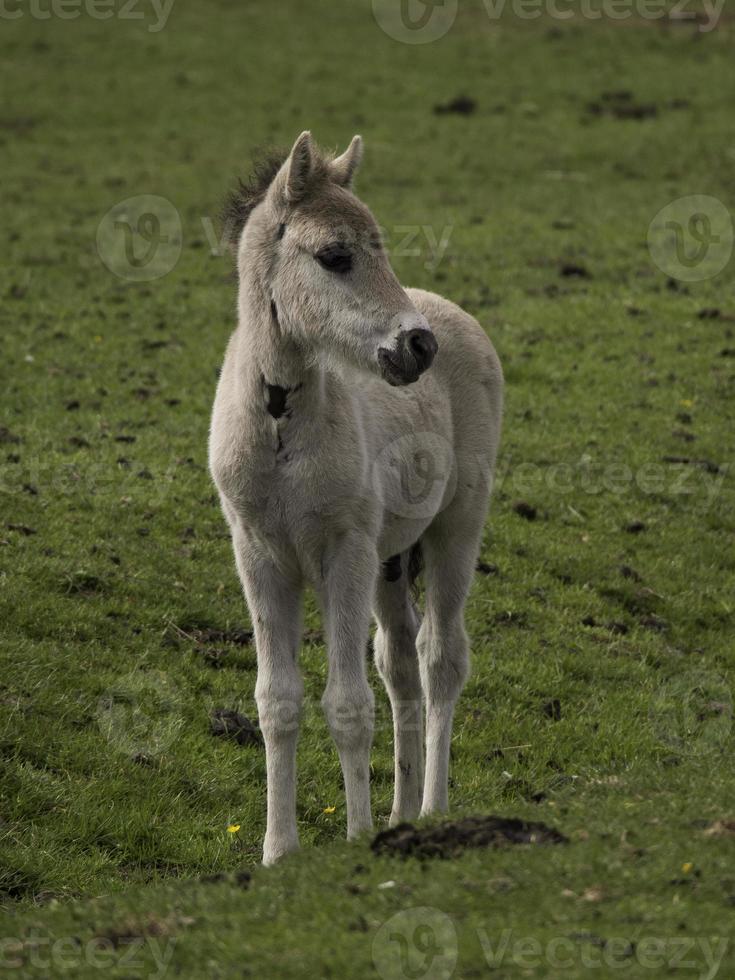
(299, 167)
(343, 167)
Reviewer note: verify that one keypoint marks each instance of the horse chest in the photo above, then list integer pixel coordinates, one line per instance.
(288, 479)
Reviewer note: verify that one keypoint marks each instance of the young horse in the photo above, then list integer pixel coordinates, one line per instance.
(338, 455)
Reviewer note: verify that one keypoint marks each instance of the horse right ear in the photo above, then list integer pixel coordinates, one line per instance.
(298, 168)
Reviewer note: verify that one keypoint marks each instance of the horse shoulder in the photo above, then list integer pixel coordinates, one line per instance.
(230, 435)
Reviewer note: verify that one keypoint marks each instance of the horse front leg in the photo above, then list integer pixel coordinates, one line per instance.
(347, 593)
(275, 609)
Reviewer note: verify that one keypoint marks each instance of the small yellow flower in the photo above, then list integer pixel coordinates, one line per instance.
(233, 828)
(329, 809)
(687, 868)
(686, 403)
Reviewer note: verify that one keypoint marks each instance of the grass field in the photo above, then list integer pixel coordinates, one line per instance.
(602, 621)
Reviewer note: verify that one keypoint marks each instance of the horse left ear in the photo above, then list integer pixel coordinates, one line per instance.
(343, 167)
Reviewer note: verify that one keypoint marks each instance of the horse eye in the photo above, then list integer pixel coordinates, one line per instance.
(335, 257)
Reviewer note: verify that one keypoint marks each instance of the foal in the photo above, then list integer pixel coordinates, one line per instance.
(355, 423)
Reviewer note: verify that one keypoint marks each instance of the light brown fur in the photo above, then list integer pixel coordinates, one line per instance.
(356, 470)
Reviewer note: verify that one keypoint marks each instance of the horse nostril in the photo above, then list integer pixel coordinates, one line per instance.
(423, 346)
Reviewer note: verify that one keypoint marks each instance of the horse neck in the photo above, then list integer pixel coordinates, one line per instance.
(267, 357)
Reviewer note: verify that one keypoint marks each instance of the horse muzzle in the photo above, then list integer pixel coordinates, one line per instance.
(413, 354)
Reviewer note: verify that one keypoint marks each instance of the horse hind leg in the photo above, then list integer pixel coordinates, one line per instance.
(397, 662)
(443, 650)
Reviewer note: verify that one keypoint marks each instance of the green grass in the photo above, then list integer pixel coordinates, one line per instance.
(115, 798)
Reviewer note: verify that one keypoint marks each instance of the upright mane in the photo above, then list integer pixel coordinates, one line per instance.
(242, 199)
(247, 195)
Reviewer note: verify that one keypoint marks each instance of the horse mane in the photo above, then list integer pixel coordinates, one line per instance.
(246, 195)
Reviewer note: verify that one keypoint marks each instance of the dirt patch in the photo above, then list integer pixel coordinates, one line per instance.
(525, 510)
(654, 622)
(226, 723)
(552, 709)
(83, 584)
(571, 270)
(18, 125)
(622, 105)
(23, 529)
(237, 635)
(206, 635)
(705, 464)
(683, 434)
(214, 644)
(7, 437)
(635, 527)
(449, 839)
(510, 617)
(463, 105)
(133, 930)
(241, 878)
(614, 626)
